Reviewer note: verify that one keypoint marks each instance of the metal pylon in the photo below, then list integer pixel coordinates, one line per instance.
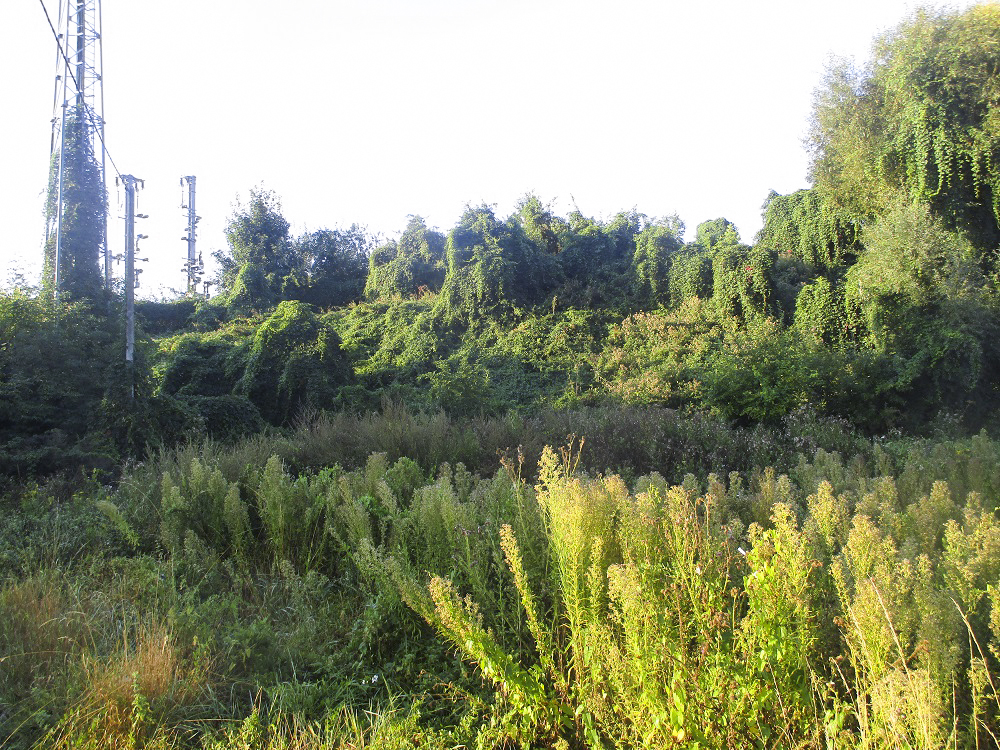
(79, 93)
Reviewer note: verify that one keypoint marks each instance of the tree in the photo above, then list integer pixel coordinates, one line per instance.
(493, 267)
(54, 363)
(742, 287)
(253, 272)
(844, 143)
(655, 247)
(540, 224)
(808, 226)
(819, 313)
(84, 215)
(330, 267)
(295, 363)
(923, 119)
(917, 296)
(586, 253)
(598, 260)
(412, 265)
(715, 232)
(690, 275)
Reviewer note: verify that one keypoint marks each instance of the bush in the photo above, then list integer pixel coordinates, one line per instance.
(295, 363)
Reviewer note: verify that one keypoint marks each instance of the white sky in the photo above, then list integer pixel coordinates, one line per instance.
(365, 111)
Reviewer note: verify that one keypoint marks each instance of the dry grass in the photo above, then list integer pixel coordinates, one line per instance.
(135, 696)
(40, 626)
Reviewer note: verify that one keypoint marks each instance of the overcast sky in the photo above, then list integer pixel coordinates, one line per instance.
(370, 110)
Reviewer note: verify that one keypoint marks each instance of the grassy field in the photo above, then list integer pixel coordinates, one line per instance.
(402, 580)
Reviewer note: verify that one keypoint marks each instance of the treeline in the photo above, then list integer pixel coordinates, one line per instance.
(871, 296)
(885, 328)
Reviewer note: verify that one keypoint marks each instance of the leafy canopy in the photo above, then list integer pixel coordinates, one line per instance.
(923, 119)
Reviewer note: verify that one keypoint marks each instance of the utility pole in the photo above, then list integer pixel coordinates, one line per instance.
(130, 276)
(193, 267)
(79, 94)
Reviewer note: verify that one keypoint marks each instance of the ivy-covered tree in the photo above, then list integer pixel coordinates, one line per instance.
(598, 260)
(294, 363)
(586, 252)
(918, 297)
(923, 119)
(690, 275)
(253, 272)
(714, 232)
(264, 265)
(84, 216)
(330, 267)
(820, 314)
(540, 224)
(412, 265)
(806, 225)
(655, 247)
(54, 363)
(493, 267)
(742, 286)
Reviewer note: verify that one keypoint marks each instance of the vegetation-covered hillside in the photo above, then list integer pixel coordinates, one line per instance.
(536, 480)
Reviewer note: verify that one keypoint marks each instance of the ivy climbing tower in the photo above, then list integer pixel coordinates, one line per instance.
(76, 247)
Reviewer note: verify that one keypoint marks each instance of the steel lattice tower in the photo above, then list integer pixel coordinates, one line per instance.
(79, 94)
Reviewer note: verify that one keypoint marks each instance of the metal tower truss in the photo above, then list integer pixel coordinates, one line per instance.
(79, 93)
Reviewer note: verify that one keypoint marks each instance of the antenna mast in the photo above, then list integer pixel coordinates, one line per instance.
(79, 95)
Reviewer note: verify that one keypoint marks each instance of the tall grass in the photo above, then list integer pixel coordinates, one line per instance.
(281, 593)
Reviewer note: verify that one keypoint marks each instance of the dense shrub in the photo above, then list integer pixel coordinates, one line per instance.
(294, 363)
